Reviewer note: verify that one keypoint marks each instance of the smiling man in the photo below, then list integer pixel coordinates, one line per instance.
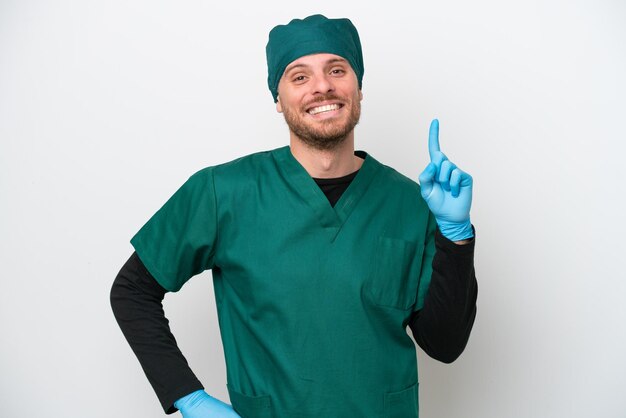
(321, 257)
(325, 120)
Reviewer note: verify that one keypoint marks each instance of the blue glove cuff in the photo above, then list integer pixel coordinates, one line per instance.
(192, 398)
(455, 231)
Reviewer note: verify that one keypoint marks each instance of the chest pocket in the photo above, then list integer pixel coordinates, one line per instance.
(394, 277)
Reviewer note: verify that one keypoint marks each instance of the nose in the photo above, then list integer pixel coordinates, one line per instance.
(323, 84)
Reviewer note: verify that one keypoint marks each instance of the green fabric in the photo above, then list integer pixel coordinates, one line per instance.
(312, 300)
(312, 35)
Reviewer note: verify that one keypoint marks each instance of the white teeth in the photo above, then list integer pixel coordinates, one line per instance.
(324, 108)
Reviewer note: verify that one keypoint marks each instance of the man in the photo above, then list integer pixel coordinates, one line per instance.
(321, 256)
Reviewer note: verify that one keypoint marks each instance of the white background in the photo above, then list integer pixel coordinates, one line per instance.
(106, 107)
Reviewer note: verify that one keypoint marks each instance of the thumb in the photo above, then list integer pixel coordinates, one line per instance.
(427, 178)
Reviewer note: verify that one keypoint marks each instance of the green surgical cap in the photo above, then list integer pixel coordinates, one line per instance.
(312, 35)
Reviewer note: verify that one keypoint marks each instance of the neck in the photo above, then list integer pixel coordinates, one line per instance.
(337, 162)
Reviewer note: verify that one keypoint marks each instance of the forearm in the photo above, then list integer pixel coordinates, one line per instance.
(136, 300)
(442, 327)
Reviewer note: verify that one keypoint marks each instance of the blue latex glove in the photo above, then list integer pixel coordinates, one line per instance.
(200, 404)
(447, 190)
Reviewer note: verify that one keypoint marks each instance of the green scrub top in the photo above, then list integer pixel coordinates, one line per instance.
(312, 300)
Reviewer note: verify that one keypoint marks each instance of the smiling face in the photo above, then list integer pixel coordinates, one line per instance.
(320, 98)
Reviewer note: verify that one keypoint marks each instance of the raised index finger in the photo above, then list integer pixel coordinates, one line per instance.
(433, 138)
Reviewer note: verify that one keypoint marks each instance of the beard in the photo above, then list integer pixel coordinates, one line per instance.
(324, 134)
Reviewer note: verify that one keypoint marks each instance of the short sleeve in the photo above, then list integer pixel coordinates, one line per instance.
(178, 242)
(427, 262)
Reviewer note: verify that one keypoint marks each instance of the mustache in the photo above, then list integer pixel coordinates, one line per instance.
(324, 98)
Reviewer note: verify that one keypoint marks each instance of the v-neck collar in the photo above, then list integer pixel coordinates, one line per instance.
(304, 185)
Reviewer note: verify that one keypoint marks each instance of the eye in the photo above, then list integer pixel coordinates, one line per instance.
(298, 78)
(337, 71)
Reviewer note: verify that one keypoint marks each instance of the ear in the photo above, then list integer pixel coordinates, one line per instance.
(279, 107)
(360, 94)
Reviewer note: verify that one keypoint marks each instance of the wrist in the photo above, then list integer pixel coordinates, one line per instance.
(462, 242)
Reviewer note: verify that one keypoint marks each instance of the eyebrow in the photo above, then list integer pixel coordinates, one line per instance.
(330, 61)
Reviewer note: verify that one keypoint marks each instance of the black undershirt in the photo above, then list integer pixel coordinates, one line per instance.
(334, 188)
(441, 328)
